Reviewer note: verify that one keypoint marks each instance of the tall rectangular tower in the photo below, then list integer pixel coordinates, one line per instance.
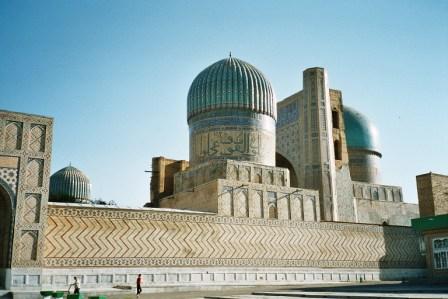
(432, 191)
(344, 187)
(316, 152)
(25, 155)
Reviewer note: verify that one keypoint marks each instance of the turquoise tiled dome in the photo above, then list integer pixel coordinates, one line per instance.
(360, 132)
(231, 83)
(69, 185)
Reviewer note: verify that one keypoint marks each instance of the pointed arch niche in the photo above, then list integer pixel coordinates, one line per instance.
(281, 161)
(6, 225)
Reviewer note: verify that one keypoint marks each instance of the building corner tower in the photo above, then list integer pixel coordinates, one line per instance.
(316, 152)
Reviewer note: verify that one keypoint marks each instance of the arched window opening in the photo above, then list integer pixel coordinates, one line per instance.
(335, 118)
(337, 150)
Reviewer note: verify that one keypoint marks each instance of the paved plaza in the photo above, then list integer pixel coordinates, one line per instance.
(339, 290)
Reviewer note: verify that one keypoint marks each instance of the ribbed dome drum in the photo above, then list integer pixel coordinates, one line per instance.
(231, 83)
(231, 114)
(69, 185)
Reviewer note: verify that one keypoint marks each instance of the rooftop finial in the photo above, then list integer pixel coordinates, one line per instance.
(230, 54)
(70, 163)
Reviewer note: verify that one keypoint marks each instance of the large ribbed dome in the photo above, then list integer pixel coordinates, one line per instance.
(360, 131)
(231, 83)
(69, 185)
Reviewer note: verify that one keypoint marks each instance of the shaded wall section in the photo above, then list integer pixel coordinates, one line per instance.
(113, 237)
(281, 161)
(162, 179)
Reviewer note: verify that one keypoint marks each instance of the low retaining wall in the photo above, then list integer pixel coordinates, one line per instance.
(111, 245)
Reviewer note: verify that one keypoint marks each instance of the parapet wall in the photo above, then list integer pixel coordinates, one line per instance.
(236, 199)
(362, 190)
(111, 237)
(241, 171)
(107, 246)
(377, 204)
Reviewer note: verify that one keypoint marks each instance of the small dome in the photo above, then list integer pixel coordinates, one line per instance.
(231, 83)
(360, 132)
(69, 185)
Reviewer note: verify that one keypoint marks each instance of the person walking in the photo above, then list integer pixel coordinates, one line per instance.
(76, 286)
(139, 285)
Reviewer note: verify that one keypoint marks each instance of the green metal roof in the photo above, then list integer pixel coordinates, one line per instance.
(360, 131)
(69, 185)
(430, 223)
(231, 83)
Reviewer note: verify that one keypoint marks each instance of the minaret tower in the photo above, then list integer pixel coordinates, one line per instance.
(316, 152)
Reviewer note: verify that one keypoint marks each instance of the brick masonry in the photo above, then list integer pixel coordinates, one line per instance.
(112, 237)
(25, 155)
(432, 191)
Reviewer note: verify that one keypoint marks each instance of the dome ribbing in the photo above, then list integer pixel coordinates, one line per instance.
(69, 185)
(231, 83)
(360, 131)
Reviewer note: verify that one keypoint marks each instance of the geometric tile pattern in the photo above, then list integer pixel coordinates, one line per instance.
(34, 172)
(13, 135)
(100, 237)
(37, 138)
(31, 208)
(9, 176)
(26, 139)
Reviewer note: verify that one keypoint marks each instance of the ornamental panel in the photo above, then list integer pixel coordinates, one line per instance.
(9, 175)
(37, 138)
(31, 208)
(34, 172)
(28, 246)
(103, 237)
(13, 135)
(241, 203)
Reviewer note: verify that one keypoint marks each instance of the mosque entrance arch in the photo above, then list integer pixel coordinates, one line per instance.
(6, 225)
(281, 161)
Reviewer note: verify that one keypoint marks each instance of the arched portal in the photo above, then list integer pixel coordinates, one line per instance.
(281, 161)
(6, 224)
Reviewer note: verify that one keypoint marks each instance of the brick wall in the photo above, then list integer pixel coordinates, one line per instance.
(432, 191)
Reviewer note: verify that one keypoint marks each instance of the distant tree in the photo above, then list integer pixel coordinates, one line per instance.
(100, 201)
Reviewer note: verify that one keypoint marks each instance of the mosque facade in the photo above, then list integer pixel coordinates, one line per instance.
(273, 192)
(266, 158)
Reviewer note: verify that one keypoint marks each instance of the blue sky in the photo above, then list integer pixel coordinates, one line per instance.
(115, 75)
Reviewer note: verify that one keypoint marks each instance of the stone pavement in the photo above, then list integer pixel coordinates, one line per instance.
(152, 293)
(392, 290)
(351, 291)
(149, 293)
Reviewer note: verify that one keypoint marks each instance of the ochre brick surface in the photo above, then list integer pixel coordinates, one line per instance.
(103, 237)
(432, 191)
